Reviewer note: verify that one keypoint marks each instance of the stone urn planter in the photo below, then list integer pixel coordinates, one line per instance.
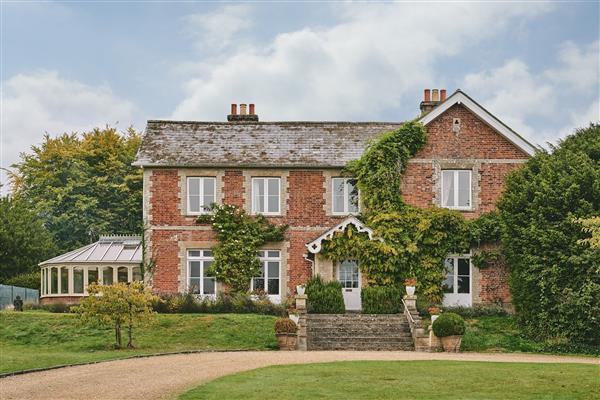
(286, 333)
(410, 285)
(434, 312)
(451, 344)
(449, 327)
(287, 341)
(300, 289)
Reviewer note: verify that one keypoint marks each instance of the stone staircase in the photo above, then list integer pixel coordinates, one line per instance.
(358, 332)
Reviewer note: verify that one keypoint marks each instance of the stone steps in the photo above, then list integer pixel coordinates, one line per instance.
(358, 332)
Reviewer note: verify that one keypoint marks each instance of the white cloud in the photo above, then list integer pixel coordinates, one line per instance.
(40, 102)
(216, 30)
(579, 69)
(367, 63)
(565, 96)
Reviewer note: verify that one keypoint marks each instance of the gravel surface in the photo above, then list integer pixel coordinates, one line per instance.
(165, 377)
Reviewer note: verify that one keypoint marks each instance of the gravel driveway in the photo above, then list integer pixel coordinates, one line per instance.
(164, 377)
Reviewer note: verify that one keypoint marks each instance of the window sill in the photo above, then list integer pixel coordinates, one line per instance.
(459, 208)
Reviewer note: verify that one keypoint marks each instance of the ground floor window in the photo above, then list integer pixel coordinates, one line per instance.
(457, 284)
(199, 262)
(64, 280)
(122, 274)
(78, 280)
(92, 275)
(54, 280)
(107, 276)
(268, 280)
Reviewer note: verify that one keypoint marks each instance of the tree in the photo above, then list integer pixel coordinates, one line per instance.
(83, 185)
(555, 279)
(118, 305)
(24, 240)
(591, 226)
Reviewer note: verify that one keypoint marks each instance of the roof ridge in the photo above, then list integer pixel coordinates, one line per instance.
(274, 122)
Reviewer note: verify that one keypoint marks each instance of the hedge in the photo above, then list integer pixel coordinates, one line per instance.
(325, 297)
(382, 300)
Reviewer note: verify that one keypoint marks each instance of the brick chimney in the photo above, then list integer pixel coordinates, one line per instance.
(431, 99)
(243, 115)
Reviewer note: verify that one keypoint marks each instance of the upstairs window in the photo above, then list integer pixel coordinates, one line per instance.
(345, 196)
(201, 193)
(456, 189)
(266, 196)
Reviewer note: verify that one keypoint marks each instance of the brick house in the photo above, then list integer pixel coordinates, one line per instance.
(290, 172)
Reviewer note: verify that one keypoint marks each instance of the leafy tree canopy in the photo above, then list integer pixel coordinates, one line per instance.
(83, 185)
(24, 240)
(555, 278)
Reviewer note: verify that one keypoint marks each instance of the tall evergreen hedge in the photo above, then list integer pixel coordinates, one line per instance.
(555, 279)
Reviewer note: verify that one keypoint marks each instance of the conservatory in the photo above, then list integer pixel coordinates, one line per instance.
(111, 259)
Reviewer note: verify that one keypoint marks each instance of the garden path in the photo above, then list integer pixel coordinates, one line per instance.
(164, 377)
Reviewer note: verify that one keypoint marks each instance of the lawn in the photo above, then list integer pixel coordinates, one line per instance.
(38, 339)
(497, 334)
(407, 380)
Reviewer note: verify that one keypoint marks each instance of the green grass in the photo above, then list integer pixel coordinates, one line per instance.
(41, 339)
(407, 380)
(497, 334)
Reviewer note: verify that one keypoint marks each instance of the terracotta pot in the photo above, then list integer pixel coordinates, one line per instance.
(287, 341)
(451, 344)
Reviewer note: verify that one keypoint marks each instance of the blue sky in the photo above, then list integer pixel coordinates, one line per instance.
(70, 66)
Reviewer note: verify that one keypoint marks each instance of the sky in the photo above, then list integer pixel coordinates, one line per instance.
(72, 66)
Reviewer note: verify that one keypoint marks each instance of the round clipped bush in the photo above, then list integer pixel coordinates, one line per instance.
(285, 325)
(449, 324)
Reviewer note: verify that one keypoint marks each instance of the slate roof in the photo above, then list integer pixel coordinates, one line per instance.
(255, 144)
(109, 249)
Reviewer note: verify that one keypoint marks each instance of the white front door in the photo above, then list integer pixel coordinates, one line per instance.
(457, 285)
(349, 277)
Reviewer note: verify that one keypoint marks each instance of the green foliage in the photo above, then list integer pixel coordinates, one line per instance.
(240, 303)
(380, 168)
(478, 310)
(415, 241)
(83, 185)
(285, 325)
(240, 235)
(591, 226)
(485, 229)
(27, 280)
(382, 299)
(555, 279)
(449, 324)
(325, 297)
(118, 305)
(24, 241)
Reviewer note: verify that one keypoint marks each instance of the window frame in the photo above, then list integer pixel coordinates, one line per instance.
(265, 259)
(265, 200)
(202, 210)
(455, 180)
(455, 274)
(202, 259)
(346, 196)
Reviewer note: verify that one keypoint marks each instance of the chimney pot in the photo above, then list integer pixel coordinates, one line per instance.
(443, 95)
(427, 95)
(242, 109)
(251, 109)
(435, 95)
(233, 109)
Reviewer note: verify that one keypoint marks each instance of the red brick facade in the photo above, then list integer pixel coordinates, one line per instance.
(475, 145)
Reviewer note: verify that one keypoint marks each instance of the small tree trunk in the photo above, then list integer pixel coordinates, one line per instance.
(118, 335)
(130, 334)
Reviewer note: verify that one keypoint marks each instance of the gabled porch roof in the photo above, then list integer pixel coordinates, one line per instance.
(315, 246)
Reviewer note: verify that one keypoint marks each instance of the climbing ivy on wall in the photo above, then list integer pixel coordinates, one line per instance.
(414, 241)
(240, 236)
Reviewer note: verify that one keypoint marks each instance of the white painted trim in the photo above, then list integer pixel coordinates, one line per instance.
(202, 211)
(265, 179)
(456, 191)
(346, 196)
(460, 97)
(315, 246)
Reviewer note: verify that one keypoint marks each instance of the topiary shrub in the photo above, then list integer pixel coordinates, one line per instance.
(449, 324)
(381, 300)
(285, 325)
(325, 297)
